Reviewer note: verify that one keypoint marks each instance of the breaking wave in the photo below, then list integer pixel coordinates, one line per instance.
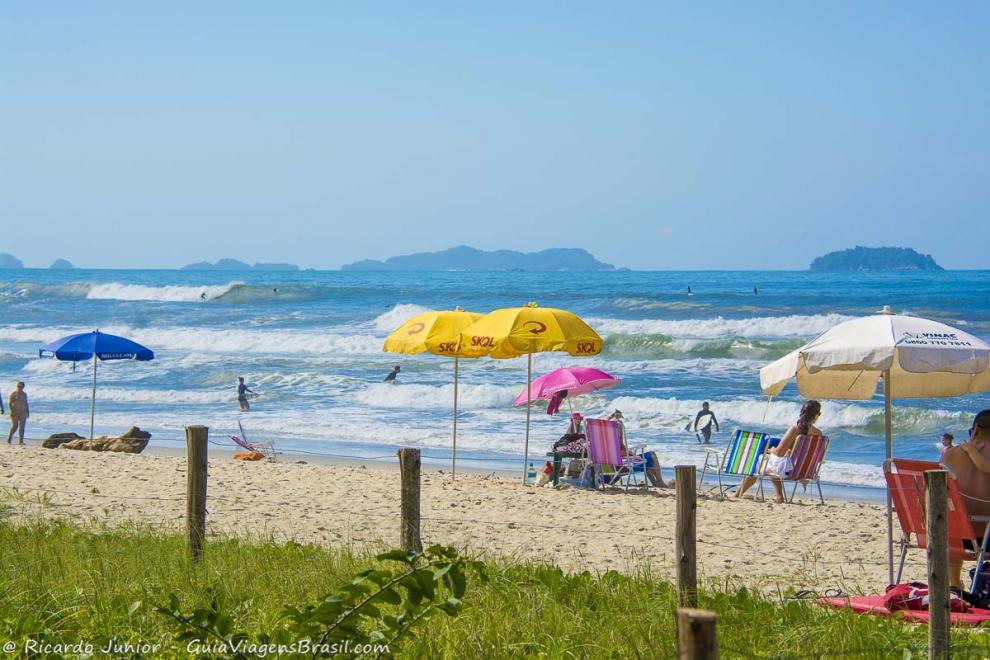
(757, 327)
(660, 346)
(426, 397)
(117, 291)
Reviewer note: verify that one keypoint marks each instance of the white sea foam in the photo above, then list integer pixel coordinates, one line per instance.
(425, 397)
(109, 395)
(672, 414)
(118, 291)
(214, 340)
(764, 326)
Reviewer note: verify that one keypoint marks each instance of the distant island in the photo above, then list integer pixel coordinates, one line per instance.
(62, 264)
(469, 258)
(10, 261)
(234, 264)
(883, 258)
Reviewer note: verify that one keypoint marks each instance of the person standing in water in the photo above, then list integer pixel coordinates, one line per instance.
(242, 392)
(19, 412)
(705, 418)
(390, 378)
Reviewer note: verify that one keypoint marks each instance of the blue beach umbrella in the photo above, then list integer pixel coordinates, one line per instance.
(93, 345)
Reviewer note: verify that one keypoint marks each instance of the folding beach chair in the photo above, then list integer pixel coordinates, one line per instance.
(266, 448)
(807, 454)
(742, 458)
(605, 454)
(906, 483)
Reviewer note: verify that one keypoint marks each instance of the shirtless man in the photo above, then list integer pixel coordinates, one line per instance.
(970, 464)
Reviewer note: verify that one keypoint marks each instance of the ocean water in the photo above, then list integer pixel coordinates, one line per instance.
(313, 351)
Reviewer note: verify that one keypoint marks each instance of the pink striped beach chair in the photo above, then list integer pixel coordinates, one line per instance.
(743, 457)
(807, 454)
(265, 448)
(605, 455)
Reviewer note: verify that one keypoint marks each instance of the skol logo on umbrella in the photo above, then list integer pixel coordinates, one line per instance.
(482, 341)
(416, 328)
(586, 348)
(535, 327)
(447, 347)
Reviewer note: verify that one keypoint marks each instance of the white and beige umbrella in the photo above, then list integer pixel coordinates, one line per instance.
(915, 358)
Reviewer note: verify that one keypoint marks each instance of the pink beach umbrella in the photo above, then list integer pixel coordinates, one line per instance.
(576, 380)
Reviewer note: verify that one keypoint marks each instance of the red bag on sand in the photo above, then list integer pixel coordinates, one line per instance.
(249, 456)
(914, 596)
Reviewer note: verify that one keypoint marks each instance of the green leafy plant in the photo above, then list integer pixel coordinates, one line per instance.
(379, 607)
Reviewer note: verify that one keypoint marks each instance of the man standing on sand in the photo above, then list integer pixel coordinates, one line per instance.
(242, 392)
(19, 412)
(969, 463)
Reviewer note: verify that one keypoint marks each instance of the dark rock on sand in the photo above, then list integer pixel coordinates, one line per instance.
(132, 442)
(54, 440)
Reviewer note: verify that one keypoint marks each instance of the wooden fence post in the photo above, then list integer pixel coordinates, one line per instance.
(685, 545)
(696, 634)
(936, 494)
(196, 475)
(409, 464)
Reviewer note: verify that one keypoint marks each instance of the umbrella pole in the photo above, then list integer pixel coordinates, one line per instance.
(453, 452)
(92, 403)
(529, 399)
(890, 518)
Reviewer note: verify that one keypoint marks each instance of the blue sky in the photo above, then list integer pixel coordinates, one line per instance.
(736, 135)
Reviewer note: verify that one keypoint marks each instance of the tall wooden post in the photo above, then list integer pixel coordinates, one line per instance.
(409, 468)
(937, 502)
(685, 543)
(696, 634)
(453, 450)
(196, 476)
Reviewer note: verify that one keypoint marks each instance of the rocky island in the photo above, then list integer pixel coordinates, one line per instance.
(469, 258)
(10, 261)
(234, 264)
(882, 258)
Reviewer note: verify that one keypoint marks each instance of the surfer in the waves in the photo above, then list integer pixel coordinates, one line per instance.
(390, 377)
(242, 394)
(703, 424)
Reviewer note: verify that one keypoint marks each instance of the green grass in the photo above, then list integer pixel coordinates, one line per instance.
(70, 582)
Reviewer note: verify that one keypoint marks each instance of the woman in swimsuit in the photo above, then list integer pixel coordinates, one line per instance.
(779, 463)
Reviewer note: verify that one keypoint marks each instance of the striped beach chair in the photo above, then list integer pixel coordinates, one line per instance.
(807, 454)
(606, 458)
(742, 458)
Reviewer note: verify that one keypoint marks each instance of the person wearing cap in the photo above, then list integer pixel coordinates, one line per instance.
(969, 463)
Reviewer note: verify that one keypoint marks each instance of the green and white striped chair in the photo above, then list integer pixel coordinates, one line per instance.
(742, 458)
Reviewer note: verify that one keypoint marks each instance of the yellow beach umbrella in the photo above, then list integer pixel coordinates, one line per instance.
(517, 331)
(437, 332)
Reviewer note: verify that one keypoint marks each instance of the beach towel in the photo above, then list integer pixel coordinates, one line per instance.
(249, 456)
(873, 605)
(914, 596)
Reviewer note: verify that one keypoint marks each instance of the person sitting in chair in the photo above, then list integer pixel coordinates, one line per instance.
(652, 468)
(969, 463)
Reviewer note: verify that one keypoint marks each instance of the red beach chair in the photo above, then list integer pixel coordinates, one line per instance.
(906, 483)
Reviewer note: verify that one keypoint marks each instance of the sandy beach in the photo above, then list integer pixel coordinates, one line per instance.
(804, 545)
